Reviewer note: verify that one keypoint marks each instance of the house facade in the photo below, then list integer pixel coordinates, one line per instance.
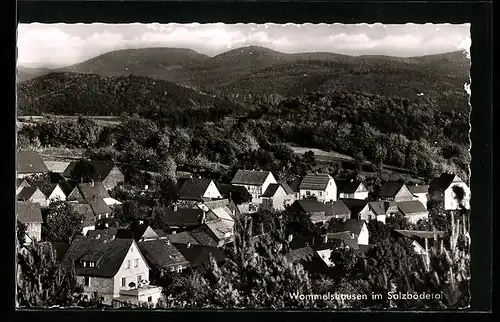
(33, 195)
(256, 182)
(321, 186)
(277, 197)
(352, 190)
(30, 215)
(112, 270)
(395, 191)
(55, 193)
(442, 189)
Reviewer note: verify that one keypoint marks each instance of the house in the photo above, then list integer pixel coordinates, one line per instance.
(57, 166)
(383, 209)
(94, 212)
(198, 189)
(53, 192)
(256, 182)
(394, 191)
(319, 212)
(444, 190)
(413, 210)
(32, 194)
(319, 185)
(89, 190)
(198, 255)
(294, 185)
(352, 232)
(420, 193)
(20, 184)
(360, 209)
(237, 194)
(30, 215)
(352, 189)
(180, 219)
(221, 230)
(107, 173)
(277, 197)
(420, 239)
(112, 270)
(29, 163)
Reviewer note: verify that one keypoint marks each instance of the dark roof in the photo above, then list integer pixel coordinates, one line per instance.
(271, 190)
(300, 254)
(48, 188)
(219, 228)
(89, 189)
(204, 237)
(108, 255)
(286, 187)
(193, 188)
(99, 206)
(102, 169)
(161, 253)
(137, 232)
(250, 177)
(354, 205)
(390, 188)
(295, 184)
(238, 193)
(418, 188)
(351, 225)
(381, 207)
(314, 181)
(198, 254)
(345, 186)
(329, 208)
(181, 216)
(183, 238)
(27, 192)
(411, 207)
(30, 162)
(28, 212)
(60, 249)
(108, 234)
(442, 182)
(85, 209)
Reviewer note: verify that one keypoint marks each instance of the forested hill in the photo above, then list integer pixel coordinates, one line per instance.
(90, 94)
(259, 71)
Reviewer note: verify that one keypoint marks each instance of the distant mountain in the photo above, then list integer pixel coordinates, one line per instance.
(261, 71)
(27, 73)
(91, 94)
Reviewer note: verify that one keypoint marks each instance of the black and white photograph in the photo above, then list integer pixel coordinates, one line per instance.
(243, 166)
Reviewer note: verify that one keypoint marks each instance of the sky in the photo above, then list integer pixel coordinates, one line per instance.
(57, 45)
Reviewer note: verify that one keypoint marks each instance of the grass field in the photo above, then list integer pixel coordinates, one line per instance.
(60, 154)
(101, 120)
(321, 155)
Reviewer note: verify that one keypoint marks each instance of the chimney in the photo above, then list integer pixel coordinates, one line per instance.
(290, 238)
(188, 245)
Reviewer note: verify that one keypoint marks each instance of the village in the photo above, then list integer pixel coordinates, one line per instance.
(118, 263)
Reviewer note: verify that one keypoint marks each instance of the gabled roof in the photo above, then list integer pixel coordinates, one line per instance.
(271, 190)
(48, 189)
(381, 207)
(236, 193)
(198, 254)
(27, 192)
(286, 187)
(60, 249)
(390, 188)
(193, 188)
(184, 237)
(28, 212)
(418, 188)
(250, 177)
(314, 181)
(90, 189)
(220, 228)
(86, 211)
(137, 232)
(30, 162)
(411, 207)
(23, 182)
(102, 169)
(351, 225)
(57, 166)
(181, 216)
(442, 182)
(354, 205)
(345, 186)
(204, 237)
(108, 234)
(99, 206)
(108, 255)
(295, 184)
(160, 253)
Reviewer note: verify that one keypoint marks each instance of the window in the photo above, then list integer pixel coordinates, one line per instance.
(139, 278)
(87, 281)
(308, 193)
(128, 264)
(150, 298)
(124, 281)
(107, 215)
(98, 216)
(321, 193)
(179, 269)
(136, 262)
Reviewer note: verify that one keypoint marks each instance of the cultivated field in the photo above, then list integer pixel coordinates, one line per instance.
(322, 155)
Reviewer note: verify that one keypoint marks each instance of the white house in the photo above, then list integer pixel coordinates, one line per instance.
(420, 193)
(111, 270)
(320, 185)
(352, 189)
(54, 193)
(277, 197)
(443, 189)
(256, 182)
(198, 189)
(413, 210)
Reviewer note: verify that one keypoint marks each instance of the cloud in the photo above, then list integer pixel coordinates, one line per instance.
(65, 44)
